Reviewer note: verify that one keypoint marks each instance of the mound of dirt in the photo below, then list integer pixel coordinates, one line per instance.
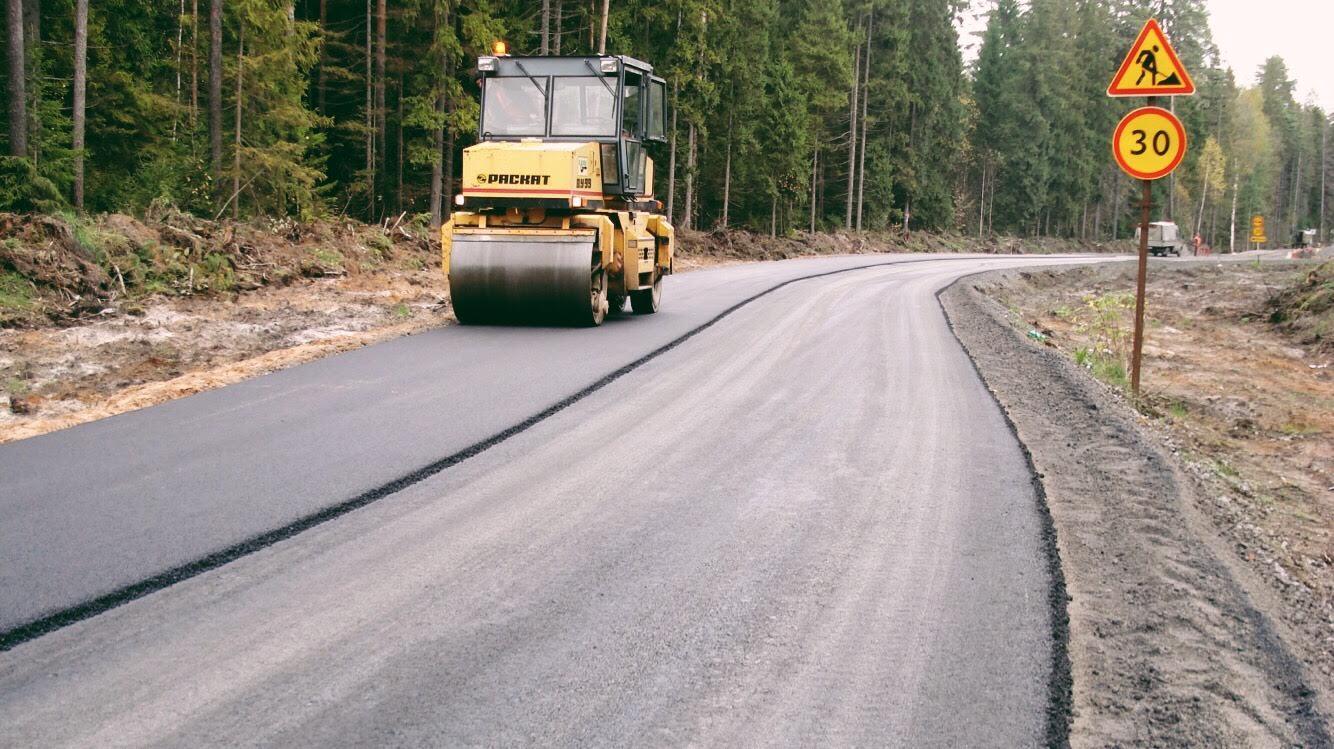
(1305, 309)
(59, 269)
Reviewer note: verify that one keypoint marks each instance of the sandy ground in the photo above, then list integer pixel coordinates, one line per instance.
(1194, 526)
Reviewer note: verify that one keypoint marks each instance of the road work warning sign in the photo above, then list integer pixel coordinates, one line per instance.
(1149, 143)
(1152, 68)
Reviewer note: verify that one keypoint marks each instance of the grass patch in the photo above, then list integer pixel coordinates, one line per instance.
(15, 387)
(329, 258)
(15, 292)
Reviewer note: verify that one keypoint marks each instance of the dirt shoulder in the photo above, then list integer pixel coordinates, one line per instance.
(1176, 637)
(105, 314)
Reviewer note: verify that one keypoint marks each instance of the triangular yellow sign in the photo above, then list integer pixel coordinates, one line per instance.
(1152, 68)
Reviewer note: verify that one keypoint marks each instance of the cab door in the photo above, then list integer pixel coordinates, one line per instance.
(633, 156)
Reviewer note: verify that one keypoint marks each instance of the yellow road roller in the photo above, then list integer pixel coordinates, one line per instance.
(556, 220)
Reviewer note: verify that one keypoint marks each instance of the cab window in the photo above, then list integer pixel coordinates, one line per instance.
(631, 107)
(657, 110)
(514, 106)
(583, 105)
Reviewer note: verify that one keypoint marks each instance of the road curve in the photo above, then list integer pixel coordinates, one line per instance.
(807, 524)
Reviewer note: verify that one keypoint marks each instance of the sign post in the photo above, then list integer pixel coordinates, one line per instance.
(1149, 143)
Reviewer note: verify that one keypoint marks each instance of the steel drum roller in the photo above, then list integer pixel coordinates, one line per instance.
(535, 278)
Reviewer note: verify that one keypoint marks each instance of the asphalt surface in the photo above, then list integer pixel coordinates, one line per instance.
(808, 523)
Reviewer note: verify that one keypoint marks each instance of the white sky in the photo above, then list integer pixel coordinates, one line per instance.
(1246, 32)
(1299, 31)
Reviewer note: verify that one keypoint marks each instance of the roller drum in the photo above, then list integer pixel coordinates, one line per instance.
(498, 278)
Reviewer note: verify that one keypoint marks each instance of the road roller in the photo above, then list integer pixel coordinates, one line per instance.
(556, 222)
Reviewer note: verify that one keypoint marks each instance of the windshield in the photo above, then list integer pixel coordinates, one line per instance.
(583, 105)
(514, 106)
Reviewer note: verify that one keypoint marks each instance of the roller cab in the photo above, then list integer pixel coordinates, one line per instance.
(557, 222)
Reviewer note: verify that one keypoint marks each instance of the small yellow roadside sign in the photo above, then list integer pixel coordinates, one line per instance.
(1258, 229)
(1149, 143)
(1152, 68)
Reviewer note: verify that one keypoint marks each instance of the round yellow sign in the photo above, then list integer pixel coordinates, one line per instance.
(1149, 143)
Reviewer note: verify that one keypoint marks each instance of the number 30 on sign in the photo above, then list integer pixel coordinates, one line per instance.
(1149, 143)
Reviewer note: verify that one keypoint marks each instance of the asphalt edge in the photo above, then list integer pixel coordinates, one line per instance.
(1060, 682)
(61, 618)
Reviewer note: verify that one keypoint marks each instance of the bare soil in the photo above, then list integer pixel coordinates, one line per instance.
(1194, 524)
(105, 314)
(109, 314)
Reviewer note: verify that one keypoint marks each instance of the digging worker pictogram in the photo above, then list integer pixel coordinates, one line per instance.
(1148, 61)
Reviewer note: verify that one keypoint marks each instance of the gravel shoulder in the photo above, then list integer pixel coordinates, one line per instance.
(1173, 639)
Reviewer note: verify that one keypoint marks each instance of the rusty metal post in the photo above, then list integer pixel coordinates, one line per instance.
(1138, 344)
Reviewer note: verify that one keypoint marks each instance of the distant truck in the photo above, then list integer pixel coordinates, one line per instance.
(1305, 238)
(1165, 239)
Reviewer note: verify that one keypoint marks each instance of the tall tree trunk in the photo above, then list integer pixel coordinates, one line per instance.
(381, 113)
(80, 93)
(1204, 194)
(602, 39)
(180, 62)
(398, 148)
(982, 202)
(671, 162)
(688, 215)
(240, 110)
(560, 18)
(866, 99)
(1324, 169)
(194, 71)
(852, 134)
(1232, 227)
(815, 180)
(18, 96)
(437, 167)
(773, 216)
(449, 167)
(322, 81)
(438, 133)
(727, 175)
(546, 27)
(32, 36)
(1296, 195)
(370, 116)
(215, 89)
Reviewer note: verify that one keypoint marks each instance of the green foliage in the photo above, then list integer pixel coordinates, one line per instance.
(1102, 320)
(1017, 143)
(22, 188)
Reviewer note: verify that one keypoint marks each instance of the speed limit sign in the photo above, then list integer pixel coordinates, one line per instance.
(1149, 143)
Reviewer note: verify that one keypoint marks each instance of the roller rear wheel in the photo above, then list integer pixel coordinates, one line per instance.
(646, 302)
(597, 301)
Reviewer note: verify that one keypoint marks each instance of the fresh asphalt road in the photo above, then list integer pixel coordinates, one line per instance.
(807, 523)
